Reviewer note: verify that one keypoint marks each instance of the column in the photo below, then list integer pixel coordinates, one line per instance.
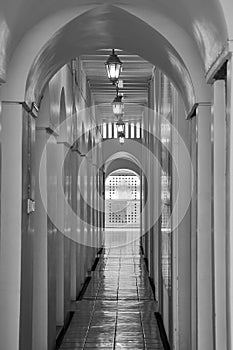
(88, 221)
(83, 183)
(175, 241)
(11, 207)
(67, 226)
(155, 206)
(45, 245)
(157, 189)
(219, 211)
(60, 280)
(74, 222)
(60, 249)
(204, 235)
(181, 228)
(146, 169)
(141, 208)
(52, 235)
(194, 235)
(79, 277)
(157, 210)
(40, 263)
(150, 205)
(229, 203)
(151, 179)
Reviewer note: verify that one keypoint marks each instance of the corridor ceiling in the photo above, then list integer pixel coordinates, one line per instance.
(183, 38)
(136, 75)
(203, 20)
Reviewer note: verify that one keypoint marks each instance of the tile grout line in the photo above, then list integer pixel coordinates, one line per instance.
(92, 315)
(139, 308)
(115, 331)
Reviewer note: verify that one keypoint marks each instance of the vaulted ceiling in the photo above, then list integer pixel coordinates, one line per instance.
(184, 38)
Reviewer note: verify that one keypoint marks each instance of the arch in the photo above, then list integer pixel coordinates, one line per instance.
(114, 156)
(124, 170)
(198, 30)
(99, 28)
(188, 15)
(121, 163)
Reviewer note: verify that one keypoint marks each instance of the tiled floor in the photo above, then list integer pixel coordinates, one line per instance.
(117, 310)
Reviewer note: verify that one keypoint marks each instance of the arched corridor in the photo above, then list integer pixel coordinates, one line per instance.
(116, 227)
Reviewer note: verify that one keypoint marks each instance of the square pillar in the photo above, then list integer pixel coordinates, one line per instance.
(229, 202)
(11, 220)
(181, 228)
(204, 232)
(219, 212)
(40, 259)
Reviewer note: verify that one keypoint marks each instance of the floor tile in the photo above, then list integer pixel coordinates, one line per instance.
(117, 309)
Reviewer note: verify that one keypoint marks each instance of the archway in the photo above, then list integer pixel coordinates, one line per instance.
(122, 208)
(155, 49)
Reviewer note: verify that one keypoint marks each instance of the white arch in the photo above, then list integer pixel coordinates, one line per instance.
(99, 28)
(190, 16)
(164, 55)
(121, 163)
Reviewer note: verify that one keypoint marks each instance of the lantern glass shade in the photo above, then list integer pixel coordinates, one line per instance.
(117, 105)
(120, 126)
(121, 140)
(113, 67)
(121, 137)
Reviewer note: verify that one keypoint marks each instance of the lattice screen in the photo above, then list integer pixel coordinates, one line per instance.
(122, 195)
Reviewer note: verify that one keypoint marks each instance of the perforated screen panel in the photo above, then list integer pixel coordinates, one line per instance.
(122, 201)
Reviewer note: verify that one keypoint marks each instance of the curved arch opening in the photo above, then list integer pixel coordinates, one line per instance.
(122, 206)
(99, 29)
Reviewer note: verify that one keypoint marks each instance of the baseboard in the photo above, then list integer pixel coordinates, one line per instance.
(162, 331)
(152, 286)
(97, 259)
(63, 329)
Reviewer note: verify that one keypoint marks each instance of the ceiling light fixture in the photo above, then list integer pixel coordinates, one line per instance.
(121, 137)
(113, 67)
(120, 125)
(117, 104)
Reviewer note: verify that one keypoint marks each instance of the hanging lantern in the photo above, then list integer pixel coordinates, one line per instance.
(113, 67)
(121, 137)
(117, 105)
(120, 125)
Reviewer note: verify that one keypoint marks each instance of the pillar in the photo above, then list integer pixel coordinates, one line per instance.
(219, 210)
(11, 207)
(52, 235)
(150, 204)
(66, 180)
(146, 169)
(194, 235)
(40, 263)
(229, 202)
(44, 253)
(155, 206)
(204, 234)
(180, 329)
(74, 222)
(60, 280)
(157, 190)
(60, 251)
